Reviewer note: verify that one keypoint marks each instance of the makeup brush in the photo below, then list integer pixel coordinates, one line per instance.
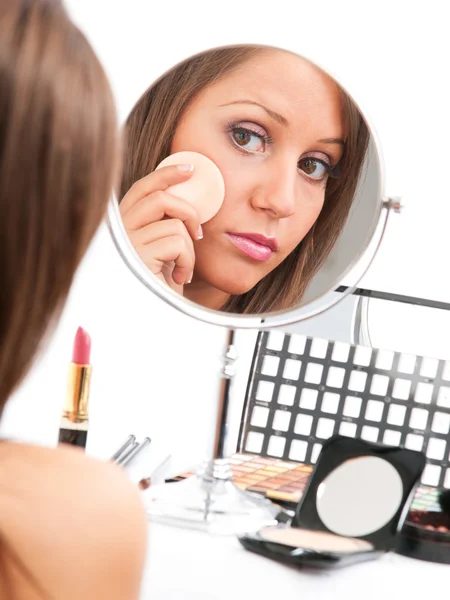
(123, 457)
(130, 439)
(156, 475)
(135, 451)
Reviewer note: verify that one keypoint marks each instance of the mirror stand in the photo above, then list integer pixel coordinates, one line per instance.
(209, 500)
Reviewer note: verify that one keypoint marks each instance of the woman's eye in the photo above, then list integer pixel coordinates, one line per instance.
(249, 140)
(314, 168)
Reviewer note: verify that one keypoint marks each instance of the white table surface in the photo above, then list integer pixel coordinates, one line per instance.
(187, 564)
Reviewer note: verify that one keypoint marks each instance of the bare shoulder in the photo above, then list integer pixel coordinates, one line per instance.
(77, 524)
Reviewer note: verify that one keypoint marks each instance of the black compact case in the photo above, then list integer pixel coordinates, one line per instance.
(403, 469)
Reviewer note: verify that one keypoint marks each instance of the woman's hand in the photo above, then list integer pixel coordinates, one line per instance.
(162, 227)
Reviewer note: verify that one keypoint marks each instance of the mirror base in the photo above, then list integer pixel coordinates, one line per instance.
(211, 504)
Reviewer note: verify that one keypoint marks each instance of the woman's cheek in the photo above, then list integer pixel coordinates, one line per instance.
(314, 209)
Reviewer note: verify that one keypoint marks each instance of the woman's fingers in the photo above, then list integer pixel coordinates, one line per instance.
(158, 206)
(161, 226)
(158, 180)
(176, 248)
(161, 229)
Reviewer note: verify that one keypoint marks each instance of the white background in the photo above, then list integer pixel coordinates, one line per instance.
(155, 371)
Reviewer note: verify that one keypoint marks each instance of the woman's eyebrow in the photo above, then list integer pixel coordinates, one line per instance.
(339, 141)
(282, 120)
(273, 114)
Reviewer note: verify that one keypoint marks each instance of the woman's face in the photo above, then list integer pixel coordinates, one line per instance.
(274, 128)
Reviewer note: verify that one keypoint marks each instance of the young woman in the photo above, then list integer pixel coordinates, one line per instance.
(290, 145)
(70, 527)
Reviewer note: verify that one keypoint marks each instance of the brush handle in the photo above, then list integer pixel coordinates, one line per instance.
(138, 448)
(130, 439)
(126, 454)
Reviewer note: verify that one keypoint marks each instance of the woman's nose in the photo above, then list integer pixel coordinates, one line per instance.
(277, 192)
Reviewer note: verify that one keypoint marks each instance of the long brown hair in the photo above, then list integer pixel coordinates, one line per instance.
(149, 132)
(58, 154)
(58, 158)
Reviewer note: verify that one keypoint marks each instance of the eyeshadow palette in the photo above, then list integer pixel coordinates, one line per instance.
(279, 480)
(304, 390)
(426, 499)
(285, 481)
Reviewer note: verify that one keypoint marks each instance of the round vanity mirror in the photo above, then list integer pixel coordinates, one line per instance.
(251, 191)
(360, 496)
(269, 194)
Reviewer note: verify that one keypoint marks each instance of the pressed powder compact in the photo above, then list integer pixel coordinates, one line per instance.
(353, 507)
(205, 190)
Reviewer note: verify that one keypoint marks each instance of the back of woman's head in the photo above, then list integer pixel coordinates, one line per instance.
(58, 151)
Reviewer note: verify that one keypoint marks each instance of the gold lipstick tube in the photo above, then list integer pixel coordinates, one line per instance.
(76, 405)
(75, 417)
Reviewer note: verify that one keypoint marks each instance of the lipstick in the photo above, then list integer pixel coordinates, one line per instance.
(75, 417)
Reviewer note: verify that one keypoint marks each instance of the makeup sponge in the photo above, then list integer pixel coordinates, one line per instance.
(205, 190)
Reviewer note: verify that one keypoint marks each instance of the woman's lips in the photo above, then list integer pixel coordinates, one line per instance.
(255, 245)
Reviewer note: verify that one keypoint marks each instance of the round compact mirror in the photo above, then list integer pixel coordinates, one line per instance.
(360, 496)
(251, 188)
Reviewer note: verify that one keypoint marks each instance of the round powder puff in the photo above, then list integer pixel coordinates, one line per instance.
(205, 190)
